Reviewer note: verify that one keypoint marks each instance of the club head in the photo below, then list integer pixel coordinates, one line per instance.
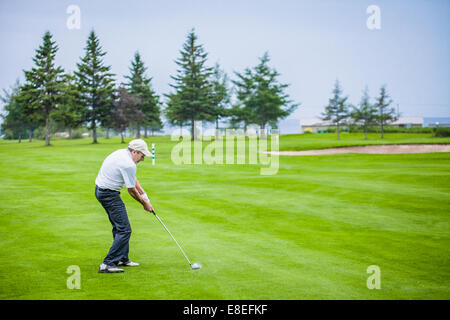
(195, 266)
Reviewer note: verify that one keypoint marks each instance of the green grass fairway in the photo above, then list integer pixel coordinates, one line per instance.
(308, 232)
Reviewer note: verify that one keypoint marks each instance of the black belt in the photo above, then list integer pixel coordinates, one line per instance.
(106, 190)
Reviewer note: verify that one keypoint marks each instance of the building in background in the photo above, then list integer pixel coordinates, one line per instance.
(315, 125)
(408, 122)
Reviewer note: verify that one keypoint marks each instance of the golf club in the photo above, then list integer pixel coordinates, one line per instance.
(193, 266)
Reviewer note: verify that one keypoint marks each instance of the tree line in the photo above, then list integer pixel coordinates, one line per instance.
(365, 114)
(90, 95)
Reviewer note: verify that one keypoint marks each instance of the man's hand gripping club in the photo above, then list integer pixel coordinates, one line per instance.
(140, 196)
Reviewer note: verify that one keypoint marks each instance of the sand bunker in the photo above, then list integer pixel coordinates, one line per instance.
(381, 149)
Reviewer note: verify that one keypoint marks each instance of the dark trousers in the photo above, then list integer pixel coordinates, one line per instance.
(117, 213)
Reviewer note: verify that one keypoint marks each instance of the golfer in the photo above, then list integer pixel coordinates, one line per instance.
(119, 170)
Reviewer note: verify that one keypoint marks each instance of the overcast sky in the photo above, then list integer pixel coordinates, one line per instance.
(311, 43)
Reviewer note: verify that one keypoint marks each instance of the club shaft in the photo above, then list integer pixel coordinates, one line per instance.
(172, 238)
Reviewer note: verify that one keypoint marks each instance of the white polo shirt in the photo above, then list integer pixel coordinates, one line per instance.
(117, 170)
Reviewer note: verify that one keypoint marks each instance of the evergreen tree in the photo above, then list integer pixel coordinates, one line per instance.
(175, 112)
(191, 100)
(240, 113)
(337, 108)
(107, 122)
(385, 114)
(44, 84)
(15, 120)
(220, 97)
(155, 125)
(96, 85)
(261, 96)
(139, 85)
(366, 113)
(70, 108)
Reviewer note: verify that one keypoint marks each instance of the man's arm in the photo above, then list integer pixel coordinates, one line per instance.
(135, 193)
(139, 188)
(142, 192)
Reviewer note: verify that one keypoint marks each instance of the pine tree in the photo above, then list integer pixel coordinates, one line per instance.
(15, 120)
(240, 111)
(385, 114)
(337, 108)
(175, 112)
(44, 84)
(220, 97)
(191, 100)
(139, 85)
(366, 113)
(154, 125)
(70, 110)
(261, 95)
(96, 85)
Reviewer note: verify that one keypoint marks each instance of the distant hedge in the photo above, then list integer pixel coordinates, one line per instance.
(441, 131)
(389, 129)
(392, 129)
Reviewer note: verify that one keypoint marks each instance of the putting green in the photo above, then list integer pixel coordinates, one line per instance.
(308, 232)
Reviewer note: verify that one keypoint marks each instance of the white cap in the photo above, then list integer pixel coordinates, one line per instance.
(139, 145)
